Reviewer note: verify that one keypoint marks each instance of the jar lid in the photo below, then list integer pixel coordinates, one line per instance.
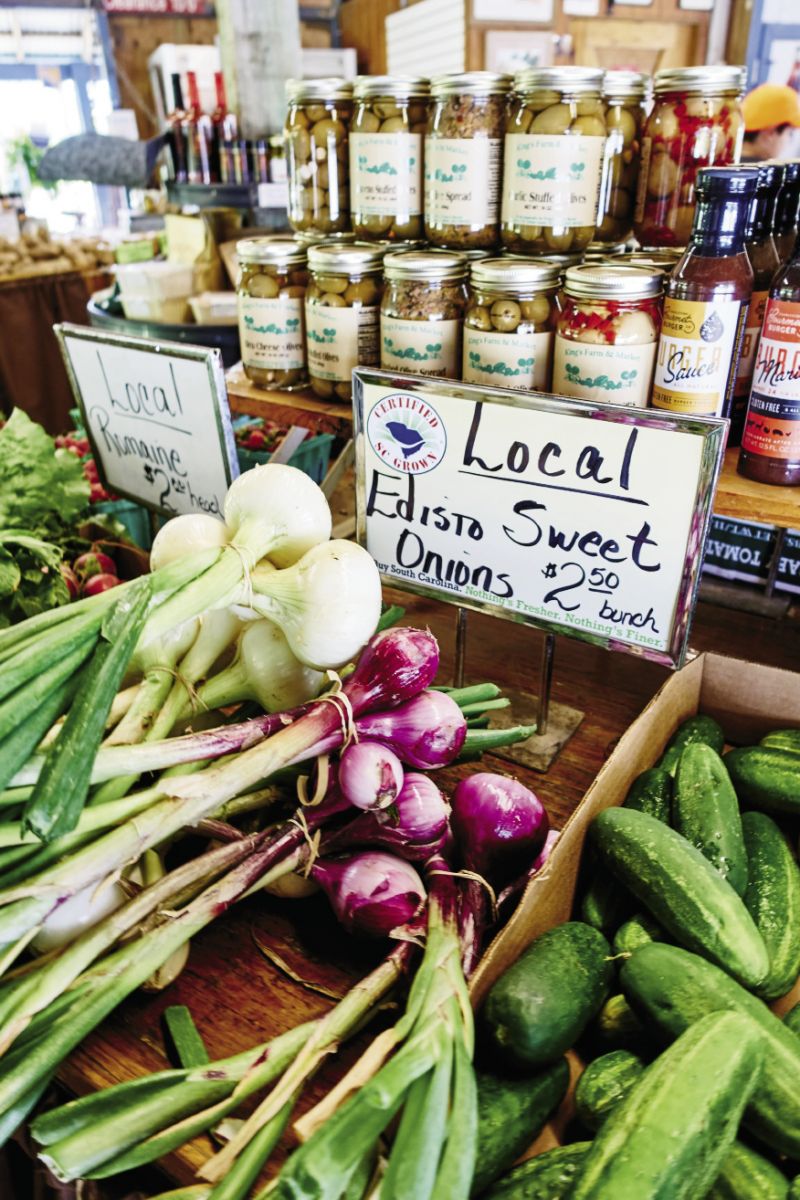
(328, 88)
(471, 83)
(433, 265)
(342, 259)
(700, 79)
(515, 274)
(597, 250)
(596, 281)
(663, 259)
(737, 179)
(791, 171)
(770, 176)
(274, 251)
(575, 80)
(396, 86)
(310, 237)
(562, 261)
(633, 85)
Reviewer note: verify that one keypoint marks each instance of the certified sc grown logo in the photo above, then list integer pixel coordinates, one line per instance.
(407, 433)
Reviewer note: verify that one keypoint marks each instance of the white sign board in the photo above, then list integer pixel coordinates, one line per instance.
(157, 417)
(578, 518)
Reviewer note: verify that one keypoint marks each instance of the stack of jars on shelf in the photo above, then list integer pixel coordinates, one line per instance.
(478, 228)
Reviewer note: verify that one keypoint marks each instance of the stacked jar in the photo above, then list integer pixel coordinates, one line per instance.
(625, 94)
(316, 133)
(342, 314)
(270, 295)
(386, 148)
(696, 121)
(422, 312)
(508, 329)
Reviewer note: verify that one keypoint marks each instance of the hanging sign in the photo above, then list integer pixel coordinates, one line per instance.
(577, 518)
(157, 418)
(161, 8)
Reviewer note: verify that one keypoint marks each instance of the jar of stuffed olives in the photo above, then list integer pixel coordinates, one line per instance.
(269, 299)
(607, 332)
(508, 329)
(317, 154)
(386, 139)
(696, 122)
(343, 301)
(624, 94)
(422, 311)
(463, 153)
(555, 141)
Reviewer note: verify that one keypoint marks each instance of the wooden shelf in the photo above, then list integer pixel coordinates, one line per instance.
(288, 408)
(749, 501)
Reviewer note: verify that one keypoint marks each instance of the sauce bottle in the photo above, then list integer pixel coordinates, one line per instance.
(771, 441)
(785, 228)
(177, 139)
(706, 300)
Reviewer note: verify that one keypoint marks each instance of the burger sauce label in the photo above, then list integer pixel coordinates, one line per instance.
(698, 356)
(772, 426)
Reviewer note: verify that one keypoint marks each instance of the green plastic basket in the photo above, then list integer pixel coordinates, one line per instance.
(311, 456)
(135, 519)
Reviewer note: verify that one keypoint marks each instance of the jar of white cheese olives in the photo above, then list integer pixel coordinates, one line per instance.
(422, 312)
(607, 333)
(342, 314)
(463, 154)
(317, 154)
(624, 94)
(386, 142)
(508, 329)
(554, 147)
(269, 298)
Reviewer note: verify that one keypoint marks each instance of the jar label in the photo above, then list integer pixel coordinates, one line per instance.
(772, 427)
(752, 332)
(698, 355)
(552, 180)
(605, 373)
(641, 186)
(339, 339)
(510, 360)
(421, 347)
(462, 181)
(386, 174)
(271, 333)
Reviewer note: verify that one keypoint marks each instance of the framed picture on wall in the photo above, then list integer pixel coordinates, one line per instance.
(511, 50)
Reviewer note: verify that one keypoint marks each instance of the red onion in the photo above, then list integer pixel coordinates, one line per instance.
(426, 732)
(393, 667)
(371, 893)
(415, 827)
(499, 825)
(370, 775)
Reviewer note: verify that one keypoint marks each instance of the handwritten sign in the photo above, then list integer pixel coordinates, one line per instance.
(157, 417)
(574, 517)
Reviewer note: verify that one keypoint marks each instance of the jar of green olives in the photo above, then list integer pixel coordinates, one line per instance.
(508, 328)
(317, 153)
(386, 141)
(422, 312)
(554, 149)
(269, 299)
(625, 94)
(342, 314)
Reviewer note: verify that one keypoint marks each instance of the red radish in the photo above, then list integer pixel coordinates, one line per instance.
(256, 440)
(94, 562)
(99, 583)
(70, 579)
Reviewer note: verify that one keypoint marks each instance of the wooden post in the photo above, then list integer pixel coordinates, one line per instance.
(260, 48)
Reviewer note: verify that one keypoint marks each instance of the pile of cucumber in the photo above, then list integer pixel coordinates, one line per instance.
(689, 928)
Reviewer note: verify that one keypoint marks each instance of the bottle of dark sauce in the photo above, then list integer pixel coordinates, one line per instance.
(785, 228)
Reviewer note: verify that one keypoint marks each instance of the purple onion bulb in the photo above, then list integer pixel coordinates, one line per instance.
(394, 666)
(499, 825)
(370, 775)
(372, 893)
(426, 732)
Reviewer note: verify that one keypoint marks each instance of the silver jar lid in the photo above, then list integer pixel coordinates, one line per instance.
(396, 86)
(700, 79)
(596, 281)
(628, 85)
(273, 251)
(574, 80)
(329, 88)
(562, 261)
(596, 250)
(663, 259)
(310, 237)
(359, 258)
(433, 265)
(471, 83)
(515, 274)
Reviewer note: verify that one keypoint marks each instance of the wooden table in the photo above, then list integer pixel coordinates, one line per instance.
(749, 501)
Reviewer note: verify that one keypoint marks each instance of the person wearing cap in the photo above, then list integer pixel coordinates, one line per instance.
(771, 117)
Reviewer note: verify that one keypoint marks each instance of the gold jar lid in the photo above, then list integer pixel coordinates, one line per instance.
(357, 258)
(515, 274)
(598, 281)
(432, 265)
(271, 251)
(329, 88)
(574, 80)
(398, 87)
(627, 85)
(471, 83)
(700, 79)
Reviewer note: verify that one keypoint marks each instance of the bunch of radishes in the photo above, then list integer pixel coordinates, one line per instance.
(79, 446)
(90, 574)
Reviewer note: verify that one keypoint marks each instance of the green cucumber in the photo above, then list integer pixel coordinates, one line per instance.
(695, 729)
(746, 1175)
(791, 1019)
(548, 1176)
(604, 1084)
(783, 739)
(794, 1189)
(706, 811)
(543, 1002)
(618, 1025)
(511, 1114)
(651, 792)
(773, 899)
(670, 1135)
(681, 889)
(673, 989)
(766, 778)
(637, 932)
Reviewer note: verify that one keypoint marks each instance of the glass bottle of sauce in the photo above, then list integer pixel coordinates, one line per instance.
(771, 441)
(177, 138)
(198, 133)
(706, 300)
(785, 229)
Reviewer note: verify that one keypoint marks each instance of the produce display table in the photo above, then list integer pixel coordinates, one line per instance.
(749, 501)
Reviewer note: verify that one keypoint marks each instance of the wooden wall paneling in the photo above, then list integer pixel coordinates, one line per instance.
(645, 45)
(363, 27)
(739, 31)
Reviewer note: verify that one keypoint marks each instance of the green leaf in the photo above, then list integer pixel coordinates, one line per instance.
(10, 574)
(39, 484)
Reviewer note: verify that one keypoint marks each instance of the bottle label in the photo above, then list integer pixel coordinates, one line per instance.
(772, 427)
(698, 355)
(752, 332)
(552, 180)
(609, 374)
(339, 339)
(641, 184)
(421, 347)
(508, 360)
(386, 174)
(462, 181)
(271, 333)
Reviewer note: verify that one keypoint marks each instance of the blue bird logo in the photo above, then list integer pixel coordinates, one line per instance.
(410, 441)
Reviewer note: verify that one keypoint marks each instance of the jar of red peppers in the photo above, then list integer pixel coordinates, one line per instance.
(696, 122)
(624, 96)
(606, 334)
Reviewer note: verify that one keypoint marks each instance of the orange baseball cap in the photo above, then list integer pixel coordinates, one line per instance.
(770, 104)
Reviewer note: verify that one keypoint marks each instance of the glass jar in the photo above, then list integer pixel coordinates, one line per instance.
(607, 333)
(386, 142)
(422, 312)
(508, 329)
(696, 122)
(786, 221)
(316, 132)
(463, 152)
(624, 93)
(342, 314)
(665, 259)
(555, 141)
(269, 298)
